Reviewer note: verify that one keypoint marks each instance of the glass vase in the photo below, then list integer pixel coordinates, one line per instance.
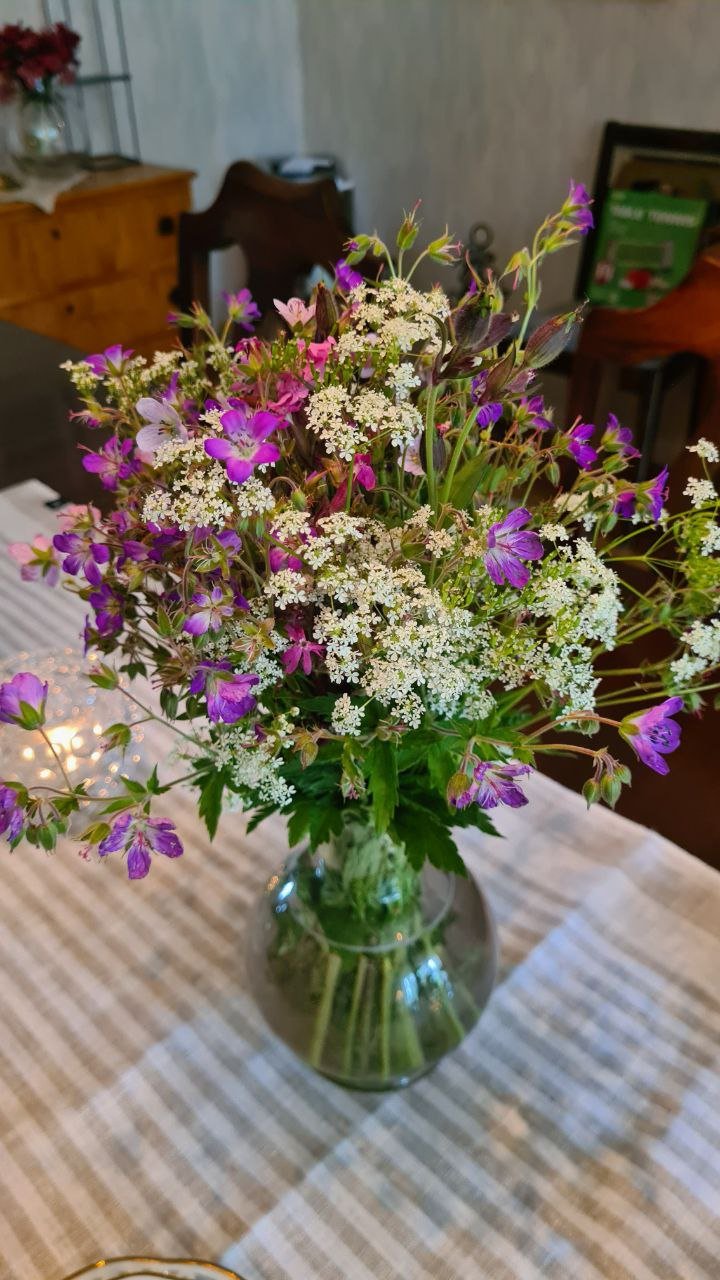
(368, 970)
(39, 134)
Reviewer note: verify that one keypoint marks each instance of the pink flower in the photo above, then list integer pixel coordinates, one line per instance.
(300, 652)
(74, 512)
(279, 559)
(242, 308)
(245, 446)
(295, 312)
(289, 394)
(37, 560)
(319, 353)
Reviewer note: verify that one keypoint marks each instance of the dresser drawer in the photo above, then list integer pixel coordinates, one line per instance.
(123, 231)
(131, 310)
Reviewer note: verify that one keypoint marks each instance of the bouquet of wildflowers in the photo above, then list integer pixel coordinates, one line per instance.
(31, 60)
(368, 575)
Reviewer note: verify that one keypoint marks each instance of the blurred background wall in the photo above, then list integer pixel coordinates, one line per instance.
(485, 108)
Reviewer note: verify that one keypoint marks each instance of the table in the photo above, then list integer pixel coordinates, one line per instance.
(144, 1106)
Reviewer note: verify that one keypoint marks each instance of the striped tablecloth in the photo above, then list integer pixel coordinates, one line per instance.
(145, 1108)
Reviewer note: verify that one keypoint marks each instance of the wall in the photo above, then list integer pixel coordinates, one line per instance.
(486, 108)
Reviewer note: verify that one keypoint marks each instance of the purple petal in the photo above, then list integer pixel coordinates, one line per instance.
(216, 448)
(138, 859)
(238, 469)
(264, 453)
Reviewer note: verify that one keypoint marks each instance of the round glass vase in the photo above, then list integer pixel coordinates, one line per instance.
(370, 981)
(39, 133)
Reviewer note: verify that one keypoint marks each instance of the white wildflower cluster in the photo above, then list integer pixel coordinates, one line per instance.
(253, 768)
(394, 316)
(478, 704)
(287, 587)
(705, 449)
(290, 524)
(346, 718)
(402, 381)
(82, 376)
(700, 491)
(196, 492)
(252, 498)
(346, 422)
(703, 643)
(579, 593)
(554, 532)
(385, 630)
(711, 542)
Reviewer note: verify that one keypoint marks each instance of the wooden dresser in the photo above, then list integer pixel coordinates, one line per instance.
(100, 268)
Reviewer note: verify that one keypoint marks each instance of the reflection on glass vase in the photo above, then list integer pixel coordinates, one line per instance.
(39, 134)
(368, 970)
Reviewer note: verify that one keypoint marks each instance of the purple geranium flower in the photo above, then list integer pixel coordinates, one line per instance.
(111, 463)
(300, 652)
(12, 817)
(245, 446)
(507, 547)
(653, 734)
(242, 308)
(140, 837)
(108, 610)
(227, 694)
(83, 552)
(488, 414)
(625, 504)
(208, 612)
(577, 208)
(657, 492)
(494, 783)
(346, 278)
(533, 413)
(618, 438)
(578, 447)
(22, 701)
(111, 360)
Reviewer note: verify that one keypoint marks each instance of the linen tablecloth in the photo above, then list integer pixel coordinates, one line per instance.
(145, 1107)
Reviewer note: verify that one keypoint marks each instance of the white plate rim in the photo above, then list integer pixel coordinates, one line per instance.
(213, 1269)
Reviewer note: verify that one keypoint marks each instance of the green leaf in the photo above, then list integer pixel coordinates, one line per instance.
(96, 832)
(424, 835)
(210, 804)
(466, 481)
(117, 735)
(169, 702)
(383, 783)
(259, 816)
(133, 788)
(104, 677)
(299, 822)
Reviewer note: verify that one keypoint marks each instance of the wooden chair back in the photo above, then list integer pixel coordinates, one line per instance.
(283, 228)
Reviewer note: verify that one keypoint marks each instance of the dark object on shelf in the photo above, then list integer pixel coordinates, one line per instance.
(477, 254)
(283, 228)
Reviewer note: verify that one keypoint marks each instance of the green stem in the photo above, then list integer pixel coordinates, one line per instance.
(367, 1019)
(457, 454)
(58, 761)
(385, 1008)
(322, 1021)
(358, 985)
(429, 441)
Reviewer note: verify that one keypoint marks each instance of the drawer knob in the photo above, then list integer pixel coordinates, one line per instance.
(70, 309)
(55, 233)
(166, 225)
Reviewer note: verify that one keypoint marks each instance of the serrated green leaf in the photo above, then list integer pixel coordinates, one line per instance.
(299, 822)
(210, 803)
